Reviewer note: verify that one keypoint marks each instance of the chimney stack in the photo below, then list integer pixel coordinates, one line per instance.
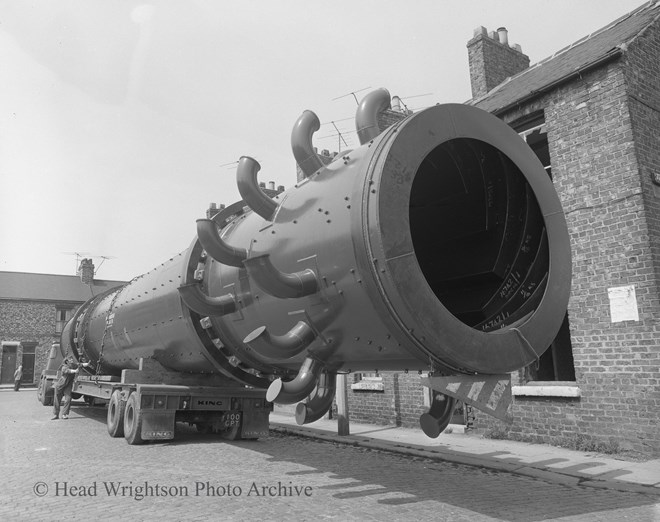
(492, 59)
(86, 271)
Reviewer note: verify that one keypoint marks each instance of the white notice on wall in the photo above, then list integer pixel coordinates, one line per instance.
(623, 303)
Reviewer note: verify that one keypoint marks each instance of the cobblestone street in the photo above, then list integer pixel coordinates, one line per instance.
(72, 470)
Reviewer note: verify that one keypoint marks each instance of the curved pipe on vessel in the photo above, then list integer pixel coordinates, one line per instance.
(248, 186)
(216, 247)
(320, 402)
(296, 390)
(366, 117)
(434, 422)
(281, 346)
(280, 284)
(203, 304)
(301, 143)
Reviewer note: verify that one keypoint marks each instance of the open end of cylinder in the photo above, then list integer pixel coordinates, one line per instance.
(483, 247)
(478, 234)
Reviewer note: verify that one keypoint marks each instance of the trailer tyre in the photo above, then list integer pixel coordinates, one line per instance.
(133, 420)
(42, 393)
(115, 419)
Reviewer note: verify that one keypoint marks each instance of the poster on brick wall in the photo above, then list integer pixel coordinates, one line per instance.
(623, 303)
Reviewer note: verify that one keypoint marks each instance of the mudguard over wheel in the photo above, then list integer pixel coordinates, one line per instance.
(115, 418)
(133, 420)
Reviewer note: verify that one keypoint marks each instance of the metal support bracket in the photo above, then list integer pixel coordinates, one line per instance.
(488, 393)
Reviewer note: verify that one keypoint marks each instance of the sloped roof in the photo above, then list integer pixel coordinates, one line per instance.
(49, 287)
(602, 45)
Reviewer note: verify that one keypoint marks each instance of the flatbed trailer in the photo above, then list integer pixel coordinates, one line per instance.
(146, 404)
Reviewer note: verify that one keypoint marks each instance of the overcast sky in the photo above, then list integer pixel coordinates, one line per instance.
(118, 118)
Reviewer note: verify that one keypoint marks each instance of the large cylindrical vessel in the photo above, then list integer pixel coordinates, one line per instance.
(438, 244)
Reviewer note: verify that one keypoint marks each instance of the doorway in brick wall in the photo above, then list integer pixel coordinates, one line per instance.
(8, 364)
(28, 361)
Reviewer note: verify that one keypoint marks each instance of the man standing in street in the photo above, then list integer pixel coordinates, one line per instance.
(63, 388)
(18, 375)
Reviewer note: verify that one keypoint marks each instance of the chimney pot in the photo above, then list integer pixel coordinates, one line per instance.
(504, 35)
(271, 185)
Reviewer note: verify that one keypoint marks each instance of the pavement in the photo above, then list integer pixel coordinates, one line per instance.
(541, 461)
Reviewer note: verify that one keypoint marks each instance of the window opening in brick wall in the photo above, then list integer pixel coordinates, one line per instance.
(367, 381)
(533, 131)
(62, 317)
(556, 363)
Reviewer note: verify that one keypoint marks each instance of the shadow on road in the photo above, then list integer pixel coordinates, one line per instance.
(350, 472)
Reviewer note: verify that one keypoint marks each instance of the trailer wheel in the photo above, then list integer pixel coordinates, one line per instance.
(42, 393)
(133, 420)
(115, 419)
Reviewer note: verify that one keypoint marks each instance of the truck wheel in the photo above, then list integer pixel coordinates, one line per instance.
(42, 394)
(133, 420)
(115, 419)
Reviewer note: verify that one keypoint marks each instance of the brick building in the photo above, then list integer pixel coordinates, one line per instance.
(33, 310)
(591, 114)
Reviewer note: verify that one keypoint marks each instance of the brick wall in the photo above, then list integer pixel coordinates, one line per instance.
(642, 73)
(399, 404)
(29, 321)
(612, 216)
